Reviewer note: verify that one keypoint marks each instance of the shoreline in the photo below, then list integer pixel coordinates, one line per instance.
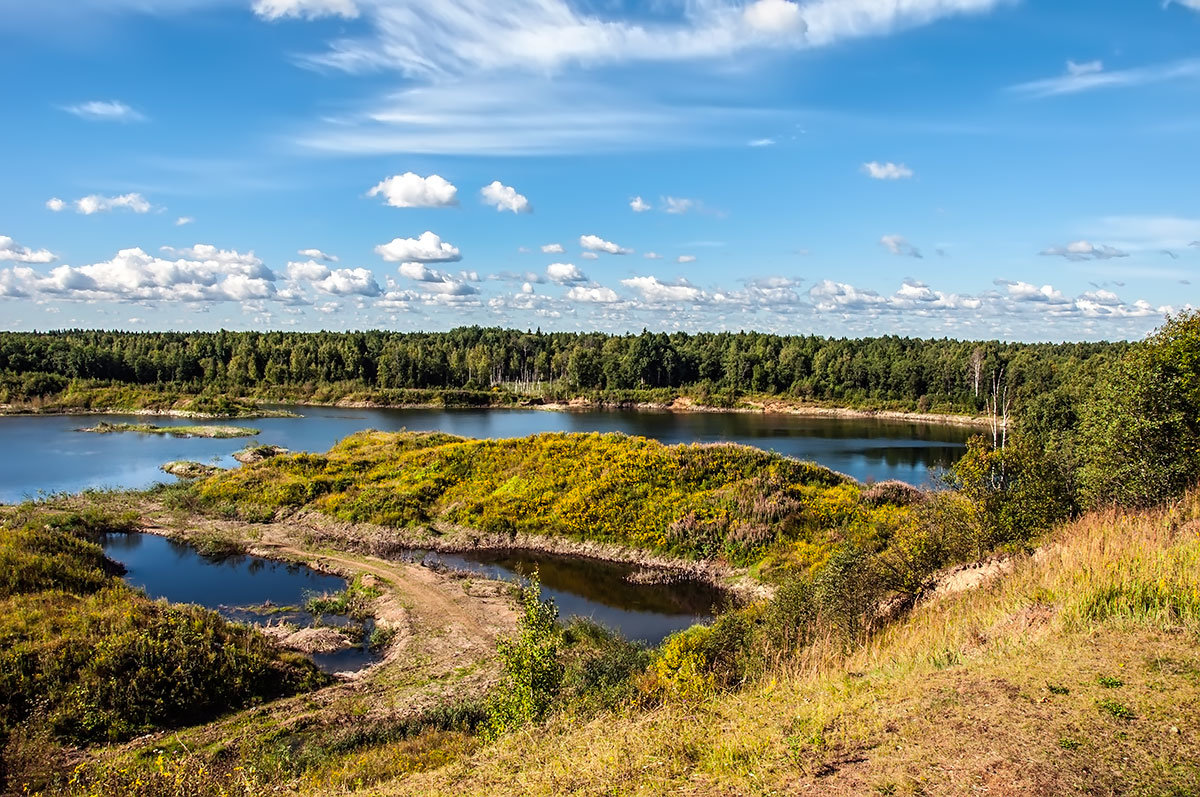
(10, 411)
(681, 404)
(387, 542)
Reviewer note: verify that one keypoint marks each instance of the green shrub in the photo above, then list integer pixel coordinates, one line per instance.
(533, 673)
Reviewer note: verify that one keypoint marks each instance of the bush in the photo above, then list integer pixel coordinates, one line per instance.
(681, 668)
(848, 592)
(1016, 491)
(533, 674)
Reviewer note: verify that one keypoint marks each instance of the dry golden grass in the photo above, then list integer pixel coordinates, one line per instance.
(1076, 673)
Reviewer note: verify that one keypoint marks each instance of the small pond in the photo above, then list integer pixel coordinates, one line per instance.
(599, 589)
(252, 589)
(246, 589)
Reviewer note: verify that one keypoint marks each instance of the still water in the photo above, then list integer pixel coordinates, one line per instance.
(251, 589)
(597, 589)
(247, 589)
(43, 455)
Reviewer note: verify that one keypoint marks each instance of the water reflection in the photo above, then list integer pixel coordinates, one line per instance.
(45, 454)
(242, 588)
(598, 589)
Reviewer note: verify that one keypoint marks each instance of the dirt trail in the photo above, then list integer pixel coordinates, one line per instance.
(446, 626)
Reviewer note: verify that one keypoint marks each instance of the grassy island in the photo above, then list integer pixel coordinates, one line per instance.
(214, 432)
(728, 502)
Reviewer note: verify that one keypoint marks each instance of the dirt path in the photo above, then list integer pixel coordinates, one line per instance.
(446, 626)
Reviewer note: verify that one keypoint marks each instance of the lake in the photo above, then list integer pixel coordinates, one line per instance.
(44, 455)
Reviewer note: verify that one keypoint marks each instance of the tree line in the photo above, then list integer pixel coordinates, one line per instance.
(910, 372)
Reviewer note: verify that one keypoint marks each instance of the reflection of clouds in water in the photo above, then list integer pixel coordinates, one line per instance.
(234, 586)
(598, 589)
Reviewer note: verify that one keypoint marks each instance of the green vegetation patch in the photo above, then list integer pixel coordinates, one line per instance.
(705, 501)
(86, 659)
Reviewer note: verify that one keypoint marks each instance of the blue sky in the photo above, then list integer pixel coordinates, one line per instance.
(967, 168)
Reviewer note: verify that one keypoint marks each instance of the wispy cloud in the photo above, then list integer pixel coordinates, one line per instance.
(454, 37)
(105, 111)
(1085, 250)
(886, 171)
(507, 76)
(899, 245)
(305, 9)
(97, 203)
(1092, 76)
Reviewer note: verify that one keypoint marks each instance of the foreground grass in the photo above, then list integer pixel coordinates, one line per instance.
(1076, 672)
(1079, 672)
(699, 501)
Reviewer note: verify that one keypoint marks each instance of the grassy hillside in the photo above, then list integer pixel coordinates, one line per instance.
(703, 501)
(84, 659)
(1076, 673)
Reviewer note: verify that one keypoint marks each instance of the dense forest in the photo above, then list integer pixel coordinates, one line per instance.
(895, 372)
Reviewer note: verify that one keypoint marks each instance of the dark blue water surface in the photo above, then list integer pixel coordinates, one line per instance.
(45, 454)
(241, 588)
(597, 589)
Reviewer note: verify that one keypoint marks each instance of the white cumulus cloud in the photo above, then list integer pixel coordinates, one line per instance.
(11, 251)
(306, 271)
(565, 273)
(654, 290)
(596, 294)
(686, 259)
(349, 282)
(553, 249)
(639, 205)
(503, 197)
(96, 203)
(411, 190)
(199, 273)
(594, 243)
(426, 248)
(318, 254)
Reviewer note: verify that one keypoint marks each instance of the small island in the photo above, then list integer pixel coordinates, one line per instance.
(186, 469)
(196, 430)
